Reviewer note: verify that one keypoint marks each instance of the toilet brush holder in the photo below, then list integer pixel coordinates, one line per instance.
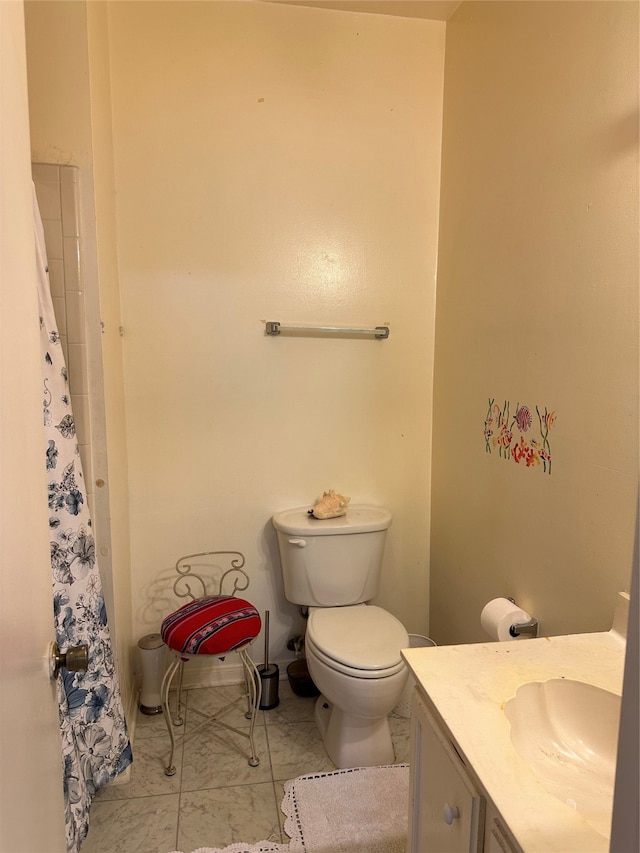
(269, 674)
(270, 681)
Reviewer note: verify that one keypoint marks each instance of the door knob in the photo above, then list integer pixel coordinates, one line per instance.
(450, 813)
(75, 659)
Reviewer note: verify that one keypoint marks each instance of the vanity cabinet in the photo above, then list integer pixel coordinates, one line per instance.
(448, 810)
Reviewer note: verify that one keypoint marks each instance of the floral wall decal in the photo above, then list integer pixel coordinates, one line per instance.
(514, 436)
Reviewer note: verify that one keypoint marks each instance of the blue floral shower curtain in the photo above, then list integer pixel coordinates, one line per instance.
(95, 743)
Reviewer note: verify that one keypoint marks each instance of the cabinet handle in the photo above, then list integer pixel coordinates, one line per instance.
(450, 813)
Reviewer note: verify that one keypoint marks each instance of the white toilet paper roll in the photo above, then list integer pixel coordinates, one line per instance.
(499, 615)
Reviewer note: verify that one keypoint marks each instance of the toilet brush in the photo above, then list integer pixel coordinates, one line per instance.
(269, 674)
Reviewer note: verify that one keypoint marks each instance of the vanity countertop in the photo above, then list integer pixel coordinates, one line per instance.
(469, 685)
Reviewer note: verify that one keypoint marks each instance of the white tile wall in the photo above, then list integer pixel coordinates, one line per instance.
(58, 197)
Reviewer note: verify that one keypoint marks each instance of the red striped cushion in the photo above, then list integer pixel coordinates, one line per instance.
(211, 626)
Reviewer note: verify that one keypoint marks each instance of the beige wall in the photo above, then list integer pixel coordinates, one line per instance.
(274, 163)
(279, 163)
(112, 450)
(537, 304)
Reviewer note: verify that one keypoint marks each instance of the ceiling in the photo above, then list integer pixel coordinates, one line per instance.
(434, 10)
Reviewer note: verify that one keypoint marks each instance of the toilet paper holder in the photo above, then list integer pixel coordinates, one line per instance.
(518, 628)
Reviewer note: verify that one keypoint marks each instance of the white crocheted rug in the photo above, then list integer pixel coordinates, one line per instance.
(363, 810)
(349, 811)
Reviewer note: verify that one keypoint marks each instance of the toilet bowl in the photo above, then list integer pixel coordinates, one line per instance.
(331, 569)
(353, 655)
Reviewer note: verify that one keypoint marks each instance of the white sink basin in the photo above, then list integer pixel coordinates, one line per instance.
(567, 731)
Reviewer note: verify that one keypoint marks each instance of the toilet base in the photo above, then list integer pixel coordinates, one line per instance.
(353, 741)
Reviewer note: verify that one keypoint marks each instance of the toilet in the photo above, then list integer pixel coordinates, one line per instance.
(331, 568)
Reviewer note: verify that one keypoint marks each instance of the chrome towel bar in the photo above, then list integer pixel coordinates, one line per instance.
(380, 332)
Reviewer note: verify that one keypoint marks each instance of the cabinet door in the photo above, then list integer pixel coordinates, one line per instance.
(497, 838)
(447, 813)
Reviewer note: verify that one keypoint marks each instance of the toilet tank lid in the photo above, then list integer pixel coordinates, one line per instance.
(360, 518)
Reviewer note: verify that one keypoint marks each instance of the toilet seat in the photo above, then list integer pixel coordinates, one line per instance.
(360, 640)
(352, 672)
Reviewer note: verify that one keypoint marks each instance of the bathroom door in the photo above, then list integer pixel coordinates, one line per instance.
(31, 797)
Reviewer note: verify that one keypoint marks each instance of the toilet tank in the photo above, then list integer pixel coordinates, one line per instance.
(334, 561)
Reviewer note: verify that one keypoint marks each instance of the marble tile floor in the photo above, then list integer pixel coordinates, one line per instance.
(215, 798)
